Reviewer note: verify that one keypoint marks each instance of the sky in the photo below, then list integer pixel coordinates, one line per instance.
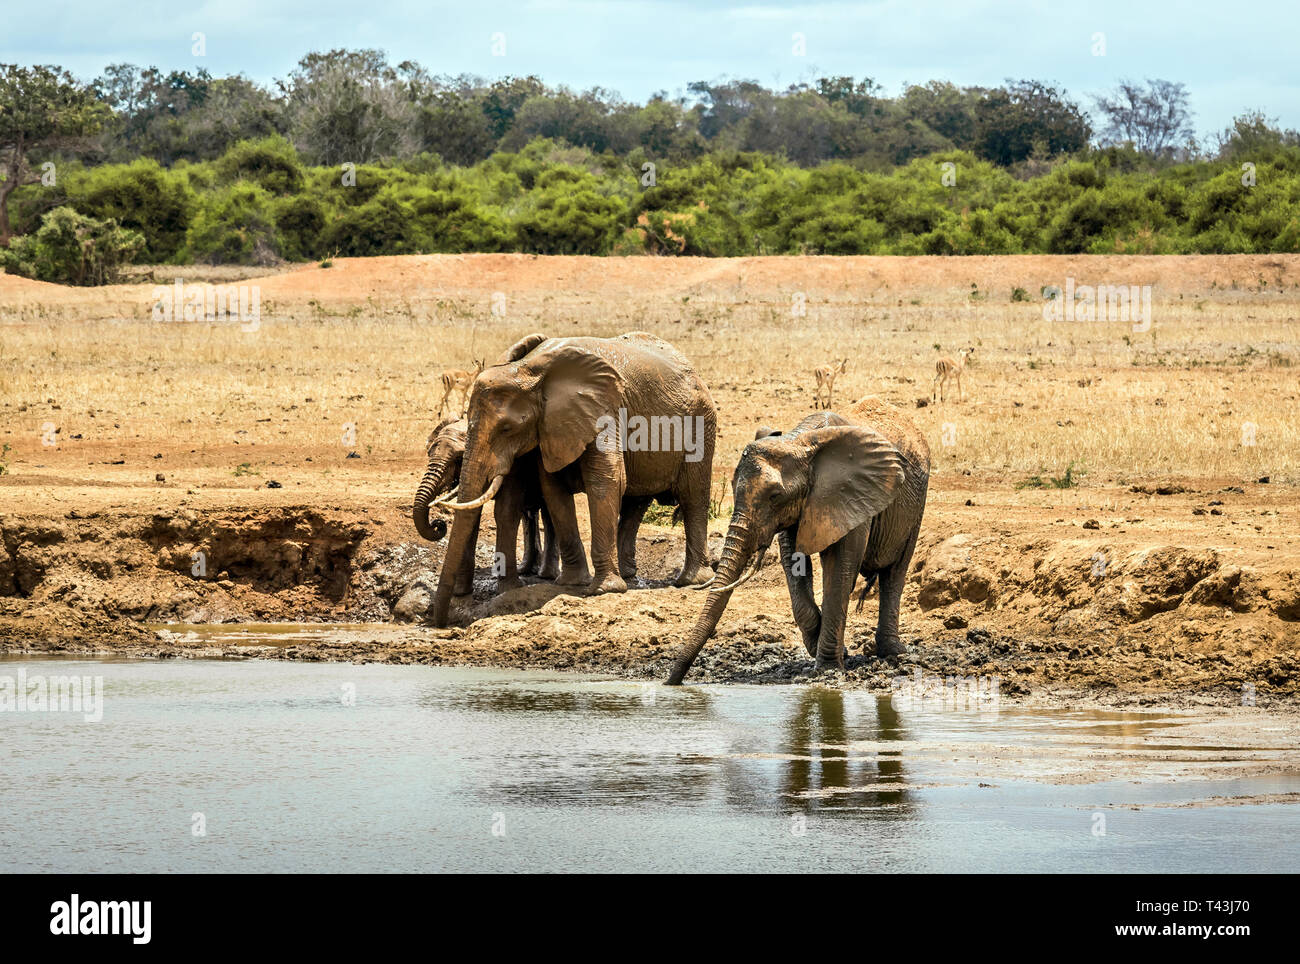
(1232, 57)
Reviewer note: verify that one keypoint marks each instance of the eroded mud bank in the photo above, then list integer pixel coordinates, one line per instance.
(1098, 613)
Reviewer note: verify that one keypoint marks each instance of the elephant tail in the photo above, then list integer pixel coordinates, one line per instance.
(866, 591)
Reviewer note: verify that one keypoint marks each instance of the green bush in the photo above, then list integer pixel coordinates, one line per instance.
(455, 223)
(271, 163)
(70, 248)
(301, 222)
(567, 214)
(384, 225)
(258, 202)
(141, 196)
(235, 225)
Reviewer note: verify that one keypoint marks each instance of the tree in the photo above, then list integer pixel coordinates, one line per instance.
(505, 97)
(946, 108)
(1155, 119)
(42, 108)
(723, 107)
(1012, 121)
(861, 97)
(153, 111)
(1253, 135)
(348, 106)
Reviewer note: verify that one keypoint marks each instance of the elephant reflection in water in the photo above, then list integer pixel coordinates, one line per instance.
(823, 771)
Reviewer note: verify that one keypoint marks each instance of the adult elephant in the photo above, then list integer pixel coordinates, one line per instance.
(849, 487)
(623, 419)
(518, 501)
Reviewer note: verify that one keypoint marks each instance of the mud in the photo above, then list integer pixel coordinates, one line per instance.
(1102, 616)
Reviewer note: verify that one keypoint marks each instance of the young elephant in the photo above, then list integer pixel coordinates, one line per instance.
(850, 487)
(520, 499)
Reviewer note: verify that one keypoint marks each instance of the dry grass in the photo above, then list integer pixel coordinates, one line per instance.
(365, 346)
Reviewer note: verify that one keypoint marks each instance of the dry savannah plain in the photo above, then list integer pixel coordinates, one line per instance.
(1113, 513)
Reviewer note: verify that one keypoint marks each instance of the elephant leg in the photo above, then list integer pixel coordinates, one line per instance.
(465, 575)
(798, 579)
(629, 521)
(559, 506)
(532, 560)
(892, 580)
(695, 517)
(693, 491)
(506, 512)
(604, 481)
(550, 567)
(840, 564)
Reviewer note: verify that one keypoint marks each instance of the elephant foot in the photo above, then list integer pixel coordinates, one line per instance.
(889, 646)
(550, 572)
(827, 664)
(506, 583)
(694, 577)
(611, 583)
(463, 587)
(574, 577)
(627, 572)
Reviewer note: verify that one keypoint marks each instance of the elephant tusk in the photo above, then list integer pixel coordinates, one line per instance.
(448, 497)
(705, 585)
(482, 500)
(758, 564)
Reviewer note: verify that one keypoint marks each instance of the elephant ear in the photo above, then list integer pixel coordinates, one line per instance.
(856, 474)
(578, 388)
(521, 348)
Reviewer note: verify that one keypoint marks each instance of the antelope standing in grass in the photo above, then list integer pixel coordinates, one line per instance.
(826, 379)
(458, 380)
(947, 367)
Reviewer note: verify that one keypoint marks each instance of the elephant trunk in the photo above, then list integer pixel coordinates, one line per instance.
(460, 544)
(431, 486)
(736, 553)
(460, 550)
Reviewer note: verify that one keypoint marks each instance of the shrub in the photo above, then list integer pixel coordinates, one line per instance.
(271, 163)
(141, 196)
(383, 225)
(70, 248)
(235, 225)
(301, 222)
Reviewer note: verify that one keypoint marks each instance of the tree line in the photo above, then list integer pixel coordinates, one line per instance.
(352, 155)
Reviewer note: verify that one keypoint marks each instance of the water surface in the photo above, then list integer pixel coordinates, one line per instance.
(335, 767)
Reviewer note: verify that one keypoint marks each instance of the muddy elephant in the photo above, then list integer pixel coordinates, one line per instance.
(849, 487)
(625, 420)
(519, 500)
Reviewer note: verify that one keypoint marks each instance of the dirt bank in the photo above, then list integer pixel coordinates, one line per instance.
(1139, 603)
